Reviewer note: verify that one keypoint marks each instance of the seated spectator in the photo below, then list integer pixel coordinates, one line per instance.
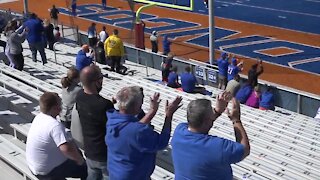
(317, 117)
(198, 155)
(234, 68)
(173, 80)
(92, 110)
(100, 54)
(56, 33)
(189, 82)
(244, 93)
(233, 85)
(253, 73)
(133, 144)
(267, 100)
(254, 98)
(50, 153)
(223, 70)
(70, 90)
(166, 65)
(82, 60)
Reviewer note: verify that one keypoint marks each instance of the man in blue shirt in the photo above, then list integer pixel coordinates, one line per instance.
(267, 100)
(82, 60)
(223, 70)
(198, 155)
(166, 43)
(189, 82)
(234, 68)
(132, 143)
(35, 37)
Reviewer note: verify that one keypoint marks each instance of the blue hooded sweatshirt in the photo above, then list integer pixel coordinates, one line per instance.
(267, 100)
(166, 45)
(35, 30)
(132, 147)
(244, 93)
(82, 60)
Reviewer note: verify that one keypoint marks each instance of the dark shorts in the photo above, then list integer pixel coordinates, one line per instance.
(222, 79)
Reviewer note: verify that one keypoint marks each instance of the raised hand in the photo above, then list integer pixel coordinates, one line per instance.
(172, 107)
(154, 102)
(222, 101)
(234, 114)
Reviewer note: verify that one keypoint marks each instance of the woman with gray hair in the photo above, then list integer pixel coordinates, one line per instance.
(132, 143)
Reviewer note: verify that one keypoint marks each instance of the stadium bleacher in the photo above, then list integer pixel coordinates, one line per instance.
(283, 146)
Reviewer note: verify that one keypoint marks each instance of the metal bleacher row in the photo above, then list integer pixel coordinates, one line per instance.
(283, 146)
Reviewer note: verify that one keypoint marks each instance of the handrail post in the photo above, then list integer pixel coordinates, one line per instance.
(298, 103)
(54, 50)
(62, 29)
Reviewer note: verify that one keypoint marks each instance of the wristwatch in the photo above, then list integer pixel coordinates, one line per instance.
(216, 112)
(237, 121)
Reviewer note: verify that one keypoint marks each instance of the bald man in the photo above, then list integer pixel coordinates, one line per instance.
(82, 60)
(92, 109)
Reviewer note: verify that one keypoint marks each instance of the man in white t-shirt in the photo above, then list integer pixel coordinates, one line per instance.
(103, 35)
(50, 153)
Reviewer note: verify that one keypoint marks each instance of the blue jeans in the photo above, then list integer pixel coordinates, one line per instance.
(67, 169)
(97, 170)
(38, 46)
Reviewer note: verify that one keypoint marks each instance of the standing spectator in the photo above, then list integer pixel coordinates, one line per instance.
(166, 66)
(82, 60)
(207, 156)
(254, 98)
(14, 44)
(104, 4)
(133, 144)
(8, 30)
(92, 112)
(166, 45)
(48, 31)
(233, 85)
(57, 34)
(34, 37)
(115, 50)
(103, 35)
(92, 35)
(154, 41)
(317, 116)
(173, 80)
(234, 68)
(50, 153)
(267, 100)
(70, 90)
(54, 15)
(100, 53)
(189, 82)
(74, 7)
(244, 92)
(253, 73)
(223, 70)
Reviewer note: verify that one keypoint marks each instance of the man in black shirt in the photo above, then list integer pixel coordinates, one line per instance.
(92, 113)
(254, 73)
(54, 15)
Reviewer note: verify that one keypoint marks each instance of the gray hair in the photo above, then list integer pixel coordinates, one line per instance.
(128, 97)
(197, 111)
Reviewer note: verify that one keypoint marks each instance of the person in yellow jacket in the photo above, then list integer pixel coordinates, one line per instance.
(114, 50)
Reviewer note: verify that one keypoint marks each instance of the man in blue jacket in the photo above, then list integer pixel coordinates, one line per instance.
(35, 37)
(82, 60)
(267, 100)
(132, 143)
